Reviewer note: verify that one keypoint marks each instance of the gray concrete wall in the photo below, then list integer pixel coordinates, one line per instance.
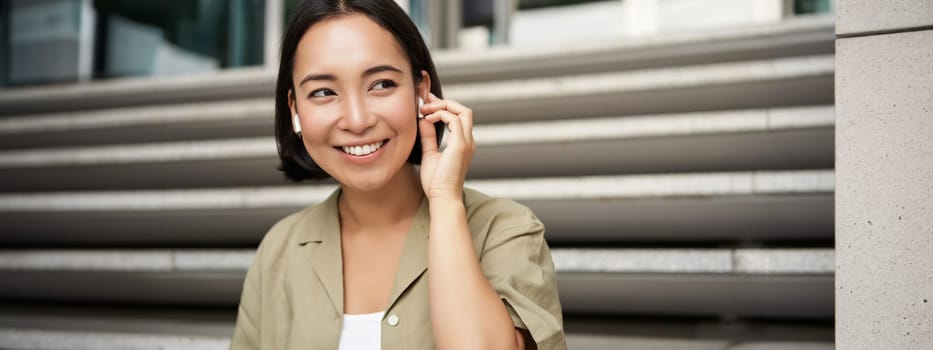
(884, 174)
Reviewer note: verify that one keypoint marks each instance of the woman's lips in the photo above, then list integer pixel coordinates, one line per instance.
(362, 150)
(363, 153)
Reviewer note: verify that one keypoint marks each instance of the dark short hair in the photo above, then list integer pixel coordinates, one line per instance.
(295, 161)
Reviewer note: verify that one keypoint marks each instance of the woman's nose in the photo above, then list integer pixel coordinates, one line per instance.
(357, 118)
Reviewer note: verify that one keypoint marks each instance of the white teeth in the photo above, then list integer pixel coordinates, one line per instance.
(362, 150)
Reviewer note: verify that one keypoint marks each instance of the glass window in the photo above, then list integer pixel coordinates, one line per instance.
(530, 4)
(288, 8)
(48, 41)
(4, 41)
(812, 6)
(417, 11)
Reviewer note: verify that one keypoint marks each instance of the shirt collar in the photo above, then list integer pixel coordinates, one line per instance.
(322, 223)
(320, 229)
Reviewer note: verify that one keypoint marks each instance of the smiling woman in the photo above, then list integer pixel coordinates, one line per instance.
(362, 97)
(358, 270)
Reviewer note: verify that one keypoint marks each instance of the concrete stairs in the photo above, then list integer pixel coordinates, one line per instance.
(686, 183)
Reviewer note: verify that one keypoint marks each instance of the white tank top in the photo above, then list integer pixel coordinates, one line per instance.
(361, 332)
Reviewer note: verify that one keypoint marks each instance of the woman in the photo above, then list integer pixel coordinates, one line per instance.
(358, 271)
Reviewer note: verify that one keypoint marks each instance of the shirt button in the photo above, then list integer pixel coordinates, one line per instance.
(392, 320)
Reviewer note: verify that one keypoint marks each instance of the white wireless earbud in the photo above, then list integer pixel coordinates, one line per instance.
(420, 103)
(296, 124)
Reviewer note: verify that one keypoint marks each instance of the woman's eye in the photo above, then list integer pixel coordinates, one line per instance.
(322, 93)
(383, 84)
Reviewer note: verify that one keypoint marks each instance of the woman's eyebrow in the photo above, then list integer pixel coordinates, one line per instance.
(381, 68)
(311, 77)
(370, 71)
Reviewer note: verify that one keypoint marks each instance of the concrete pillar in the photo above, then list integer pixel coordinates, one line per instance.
(640, 17)
(274, 23)
(444, 17)
(884, 174)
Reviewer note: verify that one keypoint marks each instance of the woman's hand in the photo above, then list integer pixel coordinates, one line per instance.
(443, 173)
(454, 268)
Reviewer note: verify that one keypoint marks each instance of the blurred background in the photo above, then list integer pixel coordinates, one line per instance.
(680, 153)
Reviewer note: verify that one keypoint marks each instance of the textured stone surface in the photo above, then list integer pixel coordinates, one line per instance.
(859, 16)
(740, 261)
(884, 192)
(611, 128)
(29, 339)
(138, 116)
(591, 187)
(82, 260)
(198, 259)
(649, 79)
(258, 147)
(454, 63)
(753, 261)
(44, 339)
(668, 185)
(602, 342)
(780, 261)
(643, 260)
(656, 125)
(782, 346)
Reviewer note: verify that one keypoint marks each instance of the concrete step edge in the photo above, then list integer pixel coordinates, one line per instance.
(563, 188)
(566, 260)
(241, 109)
(456, 61)
(642, 80)
(503, 134)
(611, 342)
(468, 93)
(461, 62)
(30, 339)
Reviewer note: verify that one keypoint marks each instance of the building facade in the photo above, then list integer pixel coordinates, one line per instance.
(137, 167)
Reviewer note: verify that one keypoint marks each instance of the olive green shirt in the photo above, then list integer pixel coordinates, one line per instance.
(293, 293)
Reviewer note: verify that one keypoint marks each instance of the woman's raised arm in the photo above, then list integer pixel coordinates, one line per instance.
(466, 312)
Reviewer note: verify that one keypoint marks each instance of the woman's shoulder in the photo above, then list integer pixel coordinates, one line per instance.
(284, 229)
(294, 227)
(497, 213)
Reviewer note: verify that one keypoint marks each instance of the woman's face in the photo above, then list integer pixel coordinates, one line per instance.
(356, 100)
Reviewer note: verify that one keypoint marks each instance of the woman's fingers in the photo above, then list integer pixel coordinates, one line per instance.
(466, 117)
(431, 98)
(446, 168)
(454, 124)
(428, 135)
(465, 114)
(452, 120)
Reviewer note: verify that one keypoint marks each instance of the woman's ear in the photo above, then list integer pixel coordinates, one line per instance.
(424, 86)
(291, 102)
(296, 122)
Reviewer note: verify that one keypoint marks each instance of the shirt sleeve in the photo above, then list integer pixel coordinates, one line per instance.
(518, 264)
(246, 331)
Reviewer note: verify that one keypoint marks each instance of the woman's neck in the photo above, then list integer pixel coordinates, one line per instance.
(397, 201)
